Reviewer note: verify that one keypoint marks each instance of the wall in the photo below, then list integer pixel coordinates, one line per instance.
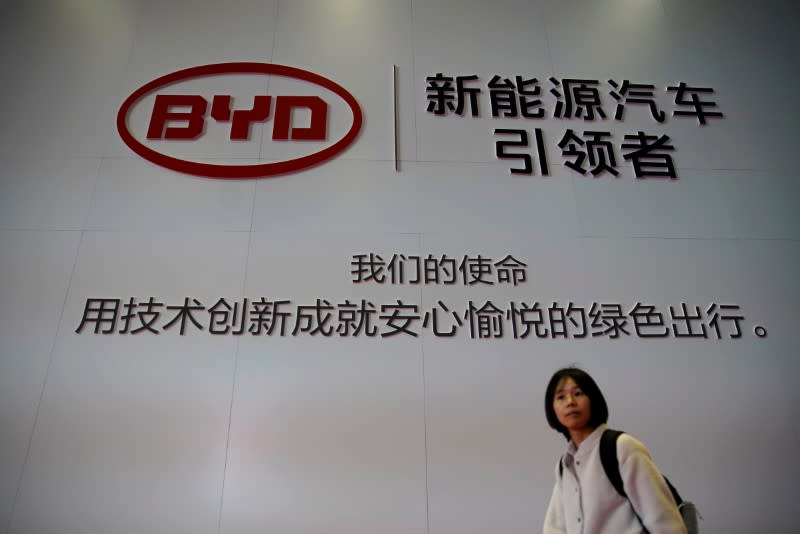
(396, 434)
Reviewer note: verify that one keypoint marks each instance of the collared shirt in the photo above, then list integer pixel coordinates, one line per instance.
(585, 502)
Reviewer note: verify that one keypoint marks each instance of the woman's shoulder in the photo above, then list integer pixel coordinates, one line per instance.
(628, 445)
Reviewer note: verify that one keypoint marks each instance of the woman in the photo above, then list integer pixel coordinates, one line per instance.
(584, 500)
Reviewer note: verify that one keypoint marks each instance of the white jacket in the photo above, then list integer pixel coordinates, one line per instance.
(585, 502)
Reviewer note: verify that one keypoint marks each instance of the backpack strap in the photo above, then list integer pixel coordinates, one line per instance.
(608, 457)
(675, 494)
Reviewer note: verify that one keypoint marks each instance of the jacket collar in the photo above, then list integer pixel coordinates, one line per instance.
(587, 445)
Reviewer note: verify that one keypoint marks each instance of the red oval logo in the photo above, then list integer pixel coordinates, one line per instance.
(238, 171)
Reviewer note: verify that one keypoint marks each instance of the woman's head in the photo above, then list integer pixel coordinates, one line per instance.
(566, 382)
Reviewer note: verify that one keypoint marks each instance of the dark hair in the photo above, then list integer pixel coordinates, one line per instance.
(598, 405)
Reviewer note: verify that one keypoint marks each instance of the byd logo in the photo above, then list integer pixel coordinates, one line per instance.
(183, 117)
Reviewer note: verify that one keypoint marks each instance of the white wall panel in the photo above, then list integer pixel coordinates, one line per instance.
(483, 198)
(133, 194)
(132, 429)
(473, 38)
(340, 197)
(179, 34)
(430, 434)
(370, 37)
(331, 438)
(36, 269)
(698, 205)
(750, 57)
(45, 192)
(490, 452)
(620, 39)
(63, 66)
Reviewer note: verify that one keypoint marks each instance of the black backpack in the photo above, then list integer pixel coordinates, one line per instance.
(608, 457)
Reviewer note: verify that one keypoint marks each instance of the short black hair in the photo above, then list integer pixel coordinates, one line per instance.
(598, 405)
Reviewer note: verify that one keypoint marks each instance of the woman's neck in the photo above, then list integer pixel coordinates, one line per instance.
(579, 435)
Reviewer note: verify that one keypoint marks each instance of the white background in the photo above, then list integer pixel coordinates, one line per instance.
(219, 434)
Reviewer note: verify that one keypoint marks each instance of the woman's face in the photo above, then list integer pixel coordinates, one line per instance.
(572, 406)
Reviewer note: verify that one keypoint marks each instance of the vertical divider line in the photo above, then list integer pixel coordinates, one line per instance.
(395, 120)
